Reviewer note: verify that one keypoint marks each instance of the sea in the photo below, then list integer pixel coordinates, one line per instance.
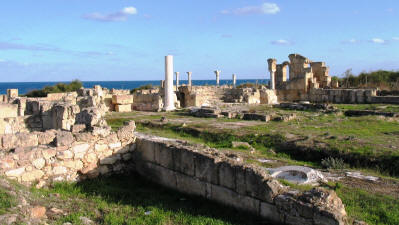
(25, 87)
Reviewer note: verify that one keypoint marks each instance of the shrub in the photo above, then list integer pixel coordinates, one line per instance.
(58, 88)
(143, 87)
(333, 163)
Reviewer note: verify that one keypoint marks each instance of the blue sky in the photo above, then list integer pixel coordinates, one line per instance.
(60, 40)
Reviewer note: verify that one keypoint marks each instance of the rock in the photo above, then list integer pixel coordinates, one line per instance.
(32, 176)
(38, 212)
(126, 133)
(62, 155)
(85, 220)
(46, 137)
(16, 172)
(64, 138)
(77, 128)
(39, 163)
(8, 219)
(56, 211)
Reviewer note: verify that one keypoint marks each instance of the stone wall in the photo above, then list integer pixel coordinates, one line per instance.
(348, 96)
(44, 157)
(147, 100)
(213, 175)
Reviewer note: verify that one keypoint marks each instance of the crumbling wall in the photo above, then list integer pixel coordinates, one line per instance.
(147, 100)
(213, 175)
(348, 96)
(44, 157)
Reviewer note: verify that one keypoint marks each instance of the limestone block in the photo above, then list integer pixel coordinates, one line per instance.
(157, 174)
(46, 137)
(64, 138)
(163, 155)
(39, 163)
(190, 185)
(8, 110)
(59, 170)
(32, 176)
(62, 155)
(90, 158)
(110, 160)
(270, 212)
(12, 93)
(7, 163)
(85, 137)
(225, 196)
(126, 133)
(77, 128)
(206, 168)
(73, 164)
(100, 147)
(48, 153)
(80, 150)
(15, 172)
(122, 99)
(227, 175)
(145, 150)
(123, 108)
(183, 161)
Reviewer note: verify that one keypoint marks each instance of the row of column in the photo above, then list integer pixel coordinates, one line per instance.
(168, 83)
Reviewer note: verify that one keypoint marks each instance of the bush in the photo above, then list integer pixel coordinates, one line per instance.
(143, 87)
(58, 88)
(333, 163)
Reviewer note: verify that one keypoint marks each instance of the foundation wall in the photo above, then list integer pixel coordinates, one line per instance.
(210, 174)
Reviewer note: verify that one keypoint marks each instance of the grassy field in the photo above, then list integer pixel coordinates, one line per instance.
(121, 200)
(367, 143)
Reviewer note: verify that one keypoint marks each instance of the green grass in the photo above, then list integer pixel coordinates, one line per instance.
(6, 201)
(127, 199)
(370, 207)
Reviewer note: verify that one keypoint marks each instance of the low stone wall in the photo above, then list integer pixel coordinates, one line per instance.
(213, 175)
(44, 157)
(348, 96)
(147, 100)
(385, 99)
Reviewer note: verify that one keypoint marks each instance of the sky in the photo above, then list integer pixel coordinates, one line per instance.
(104, 40)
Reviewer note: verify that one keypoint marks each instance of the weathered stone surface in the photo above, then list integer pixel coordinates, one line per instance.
(64, 138)
(15, 172)
(38, 212)
(39, 163)
(77, 128)
(122, 99)
(123, 108)
(32, 175)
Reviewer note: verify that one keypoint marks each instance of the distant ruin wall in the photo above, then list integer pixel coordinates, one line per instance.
(213, 175)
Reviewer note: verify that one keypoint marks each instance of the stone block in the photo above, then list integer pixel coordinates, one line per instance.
(157, 174)
(62, 155)
(122, 99)
(110, 160)
(225, 196)
(184, 161)
(15, 172)
(206, 168)
(64, 138)
(12, 93)
(46, 137)
(77, 128)
(80, 150)
(39, 163)
(32, 176)
(8, 110)
(126, 133)
(123, 108)
(145, 150)
(190, 185)
(270, 212)
(227, 175)
(163, 155)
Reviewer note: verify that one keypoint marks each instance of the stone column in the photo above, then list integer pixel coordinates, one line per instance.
(168, 95)
(177, 80)
(189, 78)
(162, 83)
(217, 72)
(272, 69)
(234, 80)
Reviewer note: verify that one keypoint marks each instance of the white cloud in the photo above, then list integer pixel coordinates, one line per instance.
(265, 8)
(395, 38)
(2, 60)
(119, 16)
(130, 10)
(351, 41)
(281, 42)
(378, 41)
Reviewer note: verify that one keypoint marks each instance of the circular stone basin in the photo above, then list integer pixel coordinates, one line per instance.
(297, 174)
